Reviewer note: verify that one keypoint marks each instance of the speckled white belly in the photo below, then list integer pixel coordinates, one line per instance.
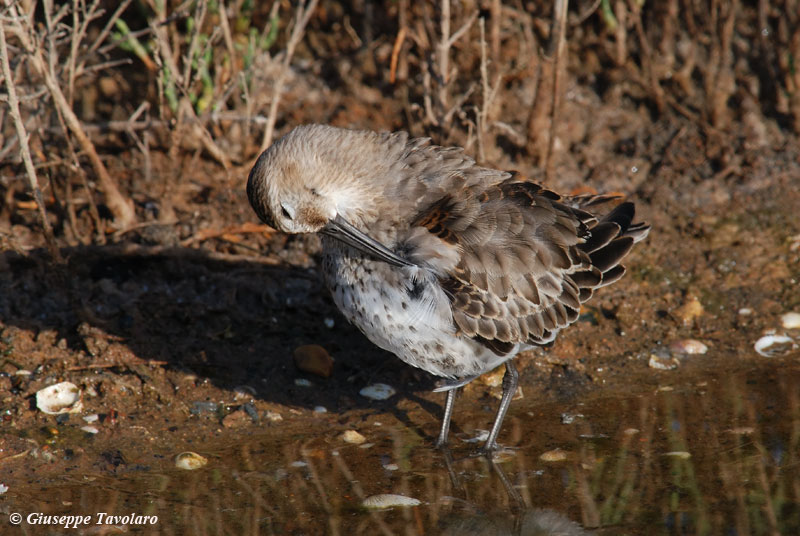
(406, 312)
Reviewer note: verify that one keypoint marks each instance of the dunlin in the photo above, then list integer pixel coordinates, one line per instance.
(453, 267)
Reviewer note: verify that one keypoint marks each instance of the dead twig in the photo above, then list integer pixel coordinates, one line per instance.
(22, 27)
(22, 133)
(398, 44)
(228, 233)
(96, 366)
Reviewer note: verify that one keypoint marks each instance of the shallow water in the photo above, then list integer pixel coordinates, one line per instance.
(715, 455)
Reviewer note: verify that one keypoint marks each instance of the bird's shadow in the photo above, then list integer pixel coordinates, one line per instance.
(225, 319)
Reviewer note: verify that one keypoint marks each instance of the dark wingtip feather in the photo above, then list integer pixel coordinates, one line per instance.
(610, 255)
(613, 275)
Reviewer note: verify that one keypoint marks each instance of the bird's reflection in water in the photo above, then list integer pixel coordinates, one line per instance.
(521, 520)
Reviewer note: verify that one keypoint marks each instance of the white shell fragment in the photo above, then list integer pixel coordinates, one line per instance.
(790, 320)
(688, 346)
(680, 454)
(377, 391)
(90, 429)
(388, 500)
(190, 460)
(774, 345)
(663, 363)
(64, 397)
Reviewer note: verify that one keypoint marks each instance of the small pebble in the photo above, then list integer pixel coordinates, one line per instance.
(314, 359)
(299, 464)
(89, 429)
(351, 436)
(388, 500)
(329, 323)
(377, 391)
(689, 311)
(302, 382)
(774, 345)
(745, 311)
(494, 378)
(569, 418)
(64, 397)
(236, 419)
(790, 320)
(366, 446)
(3, 488)
(273, 416)
(243, 392)
(662, 363)
(555, 455)
(391, 467)
(320, 409)
(190, 461)
(251, 411)
(688, 346)
(94, 417)
(203, 406)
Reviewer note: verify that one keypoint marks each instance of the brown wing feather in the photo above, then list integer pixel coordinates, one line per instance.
(527, 258)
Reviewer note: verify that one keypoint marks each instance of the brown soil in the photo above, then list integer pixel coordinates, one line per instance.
(180, 332)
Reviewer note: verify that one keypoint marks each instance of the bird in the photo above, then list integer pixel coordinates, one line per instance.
(453, 267)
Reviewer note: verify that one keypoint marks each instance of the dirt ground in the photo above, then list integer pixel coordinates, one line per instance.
(180, 330)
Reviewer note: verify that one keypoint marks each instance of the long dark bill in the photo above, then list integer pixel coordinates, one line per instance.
(340, 229)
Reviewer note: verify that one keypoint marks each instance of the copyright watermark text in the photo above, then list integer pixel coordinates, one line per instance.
(73, 522)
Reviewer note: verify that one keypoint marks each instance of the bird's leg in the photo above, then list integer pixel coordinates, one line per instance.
(517, 504)
(510, 380)
(448, 412)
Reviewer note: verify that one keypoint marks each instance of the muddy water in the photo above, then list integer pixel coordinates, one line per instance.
(718, 454)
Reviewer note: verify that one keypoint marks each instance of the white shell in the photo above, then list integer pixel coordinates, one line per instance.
(377, 391)
(680, 454)
(389, 500)
(774, 345)
(64, 397)
(791, 320)
(190, 460)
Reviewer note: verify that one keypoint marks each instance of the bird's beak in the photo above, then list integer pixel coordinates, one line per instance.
(342, 230)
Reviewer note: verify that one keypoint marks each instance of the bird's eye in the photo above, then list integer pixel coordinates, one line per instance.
(285, 213)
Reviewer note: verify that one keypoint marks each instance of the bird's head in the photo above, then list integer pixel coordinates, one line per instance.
(321, 179)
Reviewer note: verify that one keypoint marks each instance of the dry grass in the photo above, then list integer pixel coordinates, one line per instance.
(188, 77)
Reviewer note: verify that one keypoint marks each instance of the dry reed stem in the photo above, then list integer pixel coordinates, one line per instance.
(302, 16)
(547, 102)
(656, 91)
(25, 153)
(119, 205)
(187, 119)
